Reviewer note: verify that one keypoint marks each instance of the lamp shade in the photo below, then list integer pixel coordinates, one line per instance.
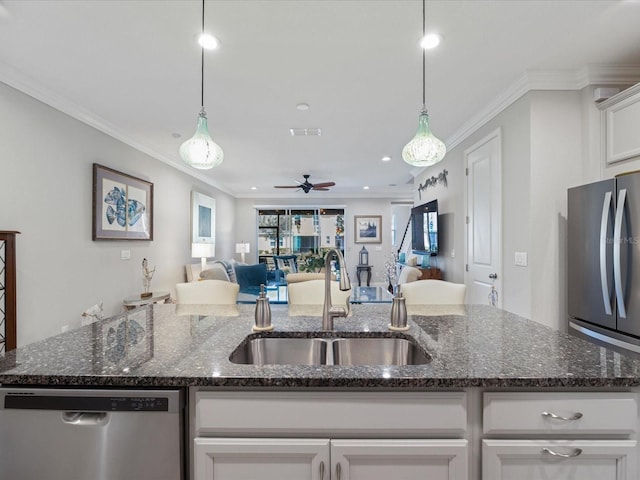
(203, 250)
(200, 151)
(243, 247)
(424, 149)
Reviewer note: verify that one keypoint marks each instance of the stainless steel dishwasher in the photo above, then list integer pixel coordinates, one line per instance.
(57, 434)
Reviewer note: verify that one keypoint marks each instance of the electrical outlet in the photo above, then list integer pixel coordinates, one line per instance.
(378, 249)
(453, 254)
(521, 259)
(125, 255)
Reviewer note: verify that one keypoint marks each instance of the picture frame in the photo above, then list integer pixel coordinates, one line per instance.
(203, 218)
(368, 228)
(122, 206)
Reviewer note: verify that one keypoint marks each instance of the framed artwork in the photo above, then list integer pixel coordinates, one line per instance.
(203, 219)
(368, 228)
(122, 206)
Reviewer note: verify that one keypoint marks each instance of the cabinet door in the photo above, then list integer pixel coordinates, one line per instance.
(582, 460)
(263, 458)
(399, 460)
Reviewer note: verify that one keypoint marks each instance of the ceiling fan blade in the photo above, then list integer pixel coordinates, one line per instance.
(323, 184)
(321, 188)
(286, 186)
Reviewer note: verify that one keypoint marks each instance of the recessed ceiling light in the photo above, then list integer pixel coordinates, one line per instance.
(430, 40)
(366, 187)
(254, 188)
(386, 158)
(208, 41)
(302, 106)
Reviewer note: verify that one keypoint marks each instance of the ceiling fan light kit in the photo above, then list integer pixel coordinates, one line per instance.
(200, 151)
(425, 148)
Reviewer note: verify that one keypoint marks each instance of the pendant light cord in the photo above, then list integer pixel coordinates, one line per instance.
(202, 64)
(424, 102)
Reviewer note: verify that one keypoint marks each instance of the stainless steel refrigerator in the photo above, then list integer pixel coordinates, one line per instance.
(604, 261)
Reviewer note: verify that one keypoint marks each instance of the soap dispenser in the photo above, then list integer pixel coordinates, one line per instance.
(398, 313)
(263, 312)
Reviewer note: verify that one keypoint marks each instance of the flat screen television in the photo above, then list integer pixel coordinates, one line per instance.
(424, 228)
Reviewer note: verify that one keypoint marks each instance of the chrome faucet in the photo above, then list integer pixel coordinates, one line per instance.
(329, 312)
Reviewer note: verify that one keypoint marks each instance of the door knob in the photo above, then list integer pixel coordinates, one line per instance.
(493, 276)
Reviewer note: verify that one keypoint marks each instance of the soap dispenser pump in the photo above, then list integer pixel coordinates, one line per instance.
(263, 312)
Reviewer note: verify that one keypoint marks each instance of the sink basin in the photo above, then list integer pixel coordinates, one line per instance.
(281, 351)
(377, 350)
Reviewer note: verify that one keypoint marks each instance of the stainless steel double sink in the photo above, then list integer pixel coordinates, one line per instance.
(329, 350)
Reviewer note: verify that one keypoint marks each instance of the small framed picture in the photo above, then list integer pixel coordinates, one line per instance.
(368, 228)
(203, 218)
(122, 206)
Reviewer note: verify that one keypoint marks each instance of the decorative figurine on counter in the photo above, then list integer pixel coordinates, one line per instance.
(147, 274)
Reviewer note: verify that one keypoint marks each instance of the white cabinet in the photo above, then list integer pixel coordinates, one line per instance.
(622, 125)
(399, 459)
(560, 436)
(559, 460)
(330, 435)
(263, 458)
(324, 459)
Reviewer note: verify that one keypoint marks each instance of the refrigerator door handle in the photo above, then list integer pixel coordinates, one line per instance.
(617, 236)
(606, 300)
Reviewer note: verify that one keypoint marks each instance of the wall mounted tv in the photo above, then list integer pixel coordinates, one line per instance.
(424, 229)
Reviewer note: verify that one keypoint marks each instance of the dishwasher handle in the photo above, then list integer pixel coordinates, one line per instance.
(96, 419)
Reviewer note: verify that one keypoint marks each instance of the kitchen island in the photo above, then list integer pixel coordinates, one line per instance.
(499, 398)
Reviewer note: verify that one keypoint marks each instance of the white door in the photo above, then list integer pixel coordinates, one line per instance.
(559, 460)
(261, 458)
(484, 214)
(399, 460)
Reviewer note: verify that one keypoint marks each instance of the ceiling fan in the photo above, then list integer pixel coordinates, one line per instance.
(307, 186)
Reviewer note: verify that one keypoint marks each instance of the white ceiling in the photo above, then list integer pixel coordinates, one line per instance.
(132, 69)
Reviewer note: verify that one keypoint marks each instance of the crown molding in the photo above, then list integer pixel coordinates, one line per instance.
(28, 86)
(546, 80)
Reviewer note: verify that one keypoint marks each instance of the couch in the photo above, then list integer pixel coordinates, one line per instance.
(246, 276)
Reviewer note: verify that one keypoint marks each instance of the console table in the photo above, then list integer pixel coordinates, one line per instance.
(431, 273)
(367, 270)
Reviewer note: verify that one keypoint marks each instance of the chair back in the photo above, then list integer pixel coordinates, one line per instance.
(433, 292)
(311, 292)
(207, 292)
(304, 277)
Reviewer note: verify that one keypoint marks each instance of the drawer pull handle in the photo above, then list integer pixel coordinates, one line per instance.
(575, 453)
(321, 470)
(576, 416)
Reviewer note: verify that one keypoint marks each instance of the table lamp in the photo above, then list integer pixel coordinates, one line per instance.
(203, 251)
(242, 248)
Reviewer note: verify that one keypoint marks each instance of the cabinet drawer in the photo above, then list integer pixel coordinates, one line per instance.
(578, 413)
(559, 460)
(341, 414)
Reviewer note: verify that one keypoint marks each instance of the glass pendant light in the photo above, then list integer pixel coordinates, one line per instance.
(425, 148)
(200, 151)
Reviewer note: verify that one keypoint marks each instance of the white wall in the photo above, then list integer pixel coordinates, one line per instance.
(378, 253)
(46, 162)
(515, 125)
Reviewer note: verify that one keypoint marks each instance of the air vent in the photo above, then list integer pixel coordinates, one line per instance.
(305, 132)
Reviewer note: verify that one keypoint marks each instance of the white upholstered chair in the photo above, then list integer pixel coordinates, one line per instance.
(304, 277)
(207, 292)
(433, 292)
(409, 274)
(311, 293)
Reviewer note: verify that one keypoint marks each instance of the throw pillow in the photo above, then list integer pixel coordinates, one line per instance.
(409, 274)
(251, 275)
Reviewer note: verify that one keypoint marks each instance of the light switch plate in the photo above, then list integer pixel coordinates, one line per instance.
(125, 254)
(521, 259)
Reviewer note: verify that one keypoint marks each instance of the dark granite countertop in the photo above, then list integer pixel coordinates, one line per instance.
(169, 345)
